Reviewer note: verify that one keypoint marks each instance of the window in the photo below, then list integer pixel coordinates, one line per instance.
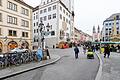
(0, 31)
(54, 15)
(12, 33)
(45, 10)
(36, 16)
(0, 17)
(24, 34)
(45, 18)
(60, 16)
(109, 23)
(106, 33)
(12, 20)
(110, 32)
(43, 3)
(67, 20)
(117, 32)
(52, 33)
(54, 7)
(41, 18)
(60, 8)
(37, 23)
(25, 11)
(49, 9)
(67, 13)
(34, 24)
(12, 6)
(63, 18)
(117, 23)
(106, 24)
(25, 23)
(63, 11)
(41, 11)
(117, 17)
(47, 1)
(0, 2)
(37, 30)
(49, 17)
(34, 30)
(106, 29)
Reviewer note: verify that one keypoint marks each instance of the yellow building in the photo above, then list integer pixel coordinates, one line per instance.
(15, 25)
(114, 36)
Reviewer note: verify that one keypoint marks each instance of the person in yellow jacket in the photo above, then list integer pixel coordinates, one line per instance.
(90, 54)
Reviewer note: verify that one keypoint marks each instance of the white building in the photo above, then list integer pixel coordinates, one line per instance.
(108, 25)
(59, 15)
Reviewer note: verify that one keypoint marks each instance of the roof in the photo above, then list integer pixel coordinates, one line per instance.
(23, 3)
(111, 18)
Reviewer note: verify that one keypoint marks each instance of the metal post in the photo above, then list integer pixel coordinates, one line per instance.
(40, 28)
(39, 36)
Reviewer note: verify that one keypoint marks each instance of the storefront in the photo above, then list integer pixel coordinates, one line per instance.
(12, 45)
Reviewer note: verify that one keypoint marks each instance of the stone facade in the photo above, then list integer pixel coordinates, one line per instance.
(15, 25)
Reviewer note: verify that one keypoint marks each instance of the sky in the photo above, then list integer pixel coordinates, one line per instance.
(89, 13)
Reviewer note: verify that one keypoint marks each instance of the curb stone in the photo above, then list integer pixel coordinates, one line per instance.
(99, 73)
(32, 68)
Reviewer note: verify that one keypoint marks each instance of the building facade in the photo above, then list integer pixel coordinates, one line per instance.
(81, 37)
(15, 25)
(109, 25)
(60, 18)
(96, 34)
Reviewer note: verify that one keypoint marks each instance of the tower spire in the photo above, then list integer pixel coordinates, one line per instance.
(98, 29)
(94, 31)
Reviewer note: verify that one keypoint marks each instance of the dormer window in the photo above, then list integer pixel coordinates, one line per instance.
(44, 3)
(117, 17)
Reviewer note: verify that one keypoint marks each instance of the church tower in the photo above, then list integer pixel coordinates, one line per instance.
(98, 34)
(94, 34)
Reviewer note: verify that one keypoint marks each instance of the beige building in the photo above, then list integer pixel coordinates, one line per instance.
(15, 25)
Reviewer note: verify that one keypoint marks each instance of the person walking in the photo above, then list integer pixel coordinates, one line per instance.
(76, 50)
(107, 51)
(84, 49)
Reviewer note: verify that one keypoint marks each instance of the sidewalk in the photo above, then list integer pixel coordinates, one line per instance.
(111, 67)
(11, 71)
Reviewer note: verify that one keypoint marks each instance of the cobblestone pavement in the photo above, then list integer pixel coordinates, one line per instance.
(15, 70)
(67, 68)
(111, 67)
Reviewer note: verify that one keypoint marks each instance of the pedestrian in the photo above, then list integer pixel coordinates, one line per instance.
(107, 51)
(84, 49)
(53, 46)
(76, 50)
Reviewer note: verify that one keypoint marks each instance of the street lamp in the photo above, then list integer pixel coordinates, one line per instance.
(40, 28)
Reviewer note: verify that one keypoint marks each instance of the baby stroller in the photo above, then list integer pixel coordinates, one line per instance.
(90, 54)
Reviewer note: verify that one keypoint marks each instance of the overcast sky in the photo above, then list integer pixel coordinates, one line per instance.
(89, 13)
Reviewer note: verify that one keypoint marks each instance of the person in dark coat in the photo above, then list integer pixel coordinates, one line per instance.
(76, 50)
(107, 51)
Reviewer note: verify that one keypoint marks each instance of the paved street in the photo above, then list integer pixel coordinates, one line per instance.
(68, 68)
(111, 67)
